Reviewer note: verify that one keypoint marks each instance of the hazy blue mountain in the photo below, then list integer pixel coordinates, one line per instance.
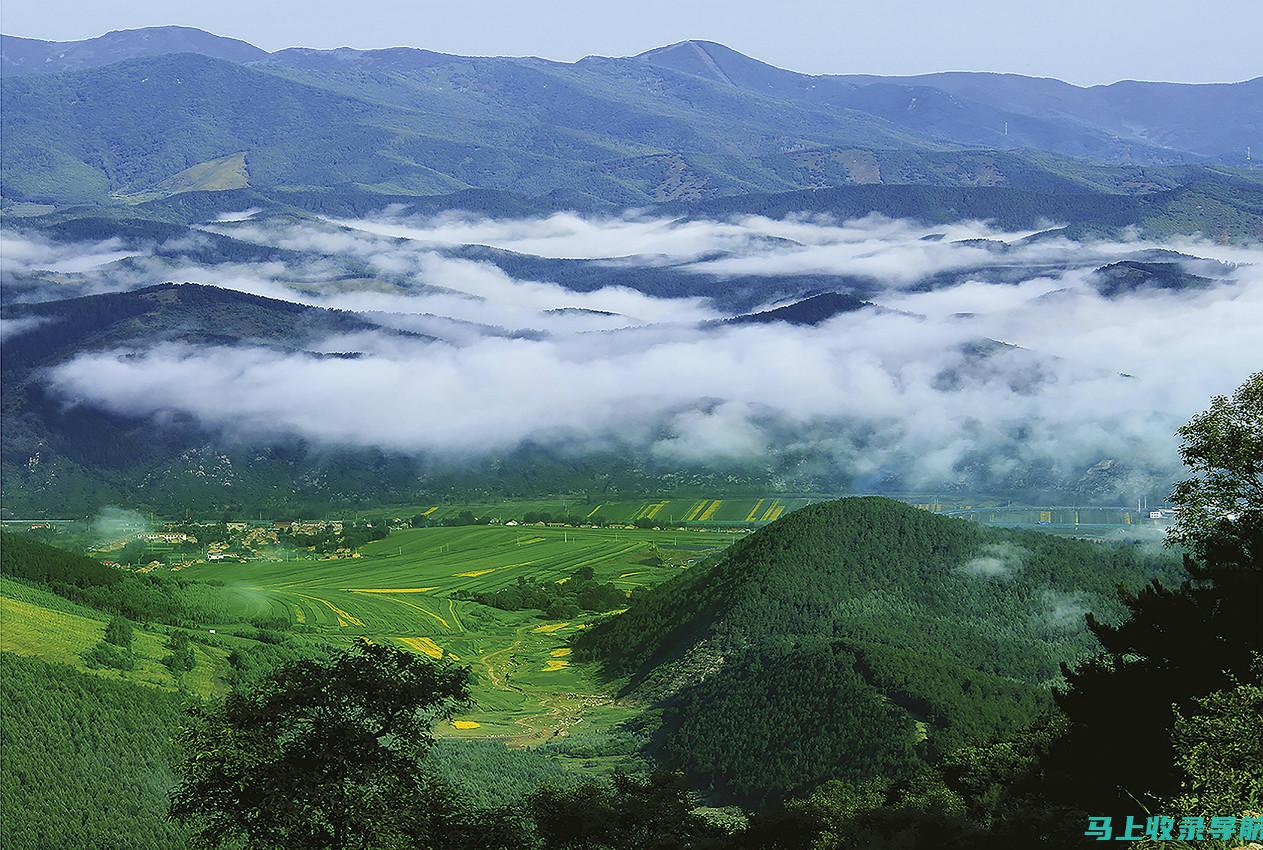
(1129, 276)
(34, 56)
(1212, 119)
(531, 126)
(812, 310)
(141, 116)
(1010, 111)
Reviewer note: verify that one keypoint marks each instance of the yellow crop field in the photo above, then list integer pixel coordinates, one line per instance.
(391, 589)
(426, 646)
(425, 611)
(592, 512)
(650, 510)
(696, 509)
(466, 724)
(773, 511)
(429, 510)
(343, 617)
(550, 628)
(408, 592)
(754, 512)
(710, 510)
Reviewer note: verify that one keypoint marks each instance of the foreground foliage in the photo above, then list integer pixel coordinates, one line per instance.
(322, 753)
(87, 761)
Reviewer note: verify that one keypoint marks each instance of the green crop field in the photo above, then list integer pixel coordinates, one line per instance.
(740, 510)
(399, 593)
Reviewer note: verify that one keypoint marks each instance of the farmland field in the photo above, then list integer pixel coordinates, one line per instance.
(400, 593)
(706, 512)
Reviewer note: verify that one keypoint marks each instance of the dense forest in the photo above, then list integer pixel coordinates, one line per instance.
(938, 622)
(78, 743)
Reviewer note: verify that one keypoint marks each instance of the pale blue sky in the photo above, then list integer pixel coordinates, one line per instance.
(1083, 41)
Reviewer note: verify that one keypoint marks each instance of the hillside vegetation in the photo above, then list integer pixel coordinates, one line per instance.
(917, 634)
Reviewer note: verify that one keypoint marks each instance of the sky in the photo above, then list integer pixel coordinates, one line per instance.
(1082, 41)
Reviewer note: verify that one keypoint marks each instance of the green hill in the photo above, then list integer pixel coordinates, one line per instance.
(854, 638)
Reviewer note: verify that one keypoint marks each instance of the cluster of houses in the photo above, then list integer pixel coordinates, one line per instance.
(308, 527)
(171, 537)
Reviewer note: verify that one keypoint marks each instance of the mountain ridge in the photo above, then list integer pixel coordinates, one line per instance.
(195, 34)
(682, 122)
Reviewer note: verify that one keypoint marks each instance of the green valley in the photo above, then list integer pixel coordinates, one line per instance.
(566, 445)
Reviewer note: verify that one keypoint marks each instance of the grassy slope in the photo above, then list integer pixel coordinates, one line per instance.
(42, 625)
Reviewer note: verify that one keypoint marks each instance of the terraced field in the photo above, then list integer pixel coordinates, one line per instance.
(400, 591)
(745, 510)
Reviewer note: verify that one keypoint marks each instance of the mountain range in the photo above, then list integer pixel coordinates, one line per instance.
(143, 114)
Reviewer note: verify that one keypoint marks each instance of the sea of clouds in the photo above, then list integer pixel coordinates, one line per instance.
(899, 389)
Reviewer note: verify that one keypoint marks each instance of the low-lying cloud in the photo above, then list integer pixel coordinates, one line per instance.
(995, 561)
(1012, 368)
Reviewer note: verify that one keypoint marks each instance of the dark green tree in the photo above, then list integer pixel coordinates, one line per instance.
(1180, 644)
(182, 658)
(630, 813)
(1219, 750)
(327, 753)
(118, 631)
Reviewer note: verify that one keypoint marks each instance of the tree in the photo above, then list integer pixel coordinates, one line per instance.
(182, 658)
(324, 753)
(1219, 749)
(118, 631)
(631, 813)
(1178, 645)
(1222, 501)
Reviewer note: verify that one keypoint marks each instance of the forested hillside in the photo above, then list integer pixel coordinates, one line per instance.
(74, 742)
(932, 632)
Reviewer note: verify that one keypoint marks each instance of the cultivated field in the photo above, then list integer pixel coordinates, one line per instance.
(706, 512)
(527, 688)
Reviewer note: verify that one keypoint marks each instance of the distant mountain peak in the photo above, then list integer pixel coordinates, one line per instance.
(35, 56)
(697, 57)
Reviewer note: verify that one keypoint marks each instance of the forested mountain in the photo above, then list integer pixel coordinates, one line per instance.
(69, 459)
(167, 313)
(852, 638)
(684, 122)
(1004, 110)
(1205, 201)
